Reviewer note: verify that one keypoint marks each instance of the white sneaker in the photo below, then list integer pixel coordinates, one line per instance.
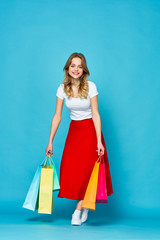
(75, 220)
(84, 215)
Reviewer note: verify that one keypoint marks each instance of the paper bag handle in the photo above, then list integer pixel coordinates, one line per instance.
(50, 160)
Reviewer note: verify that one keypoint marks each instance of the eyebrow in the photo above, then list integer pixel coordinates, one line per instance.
(74, 64)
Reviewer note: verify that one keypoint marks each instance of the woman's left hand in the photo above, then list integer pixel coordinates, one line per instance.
(100, 148)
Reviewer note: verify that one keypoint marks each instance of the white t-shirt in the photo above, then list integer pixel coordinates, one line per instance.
(79, 108)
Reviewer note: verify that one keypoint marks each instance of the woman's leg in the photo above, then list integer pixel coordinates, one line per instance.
(79, 205)
(84, 215)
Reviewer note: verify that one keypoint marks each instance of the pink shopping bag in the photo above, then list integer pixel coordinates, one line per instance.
(101, 196)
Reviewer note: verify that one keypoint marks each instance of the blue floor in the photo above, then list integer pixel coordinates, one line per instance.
(31, 225)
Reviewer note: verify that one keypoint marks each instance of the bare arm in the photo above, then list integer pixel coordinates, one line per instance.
(96, 117)
(55, 123)
(97, 123)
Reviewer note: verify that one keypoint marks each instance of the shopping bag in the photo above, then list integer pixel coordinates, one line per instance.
(45, 203)
(56, 185)
(90, 195)
(101, 196)
(31, 200)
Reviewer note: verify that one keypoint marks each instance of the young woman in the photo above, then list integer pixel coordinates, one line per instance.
(85, 140)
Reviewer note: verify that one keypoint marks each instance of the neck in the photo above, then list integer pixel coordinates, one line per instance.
(75, 81)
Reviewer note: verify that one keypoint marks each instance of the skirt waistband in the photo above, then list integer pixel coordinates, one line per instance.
(83, 122)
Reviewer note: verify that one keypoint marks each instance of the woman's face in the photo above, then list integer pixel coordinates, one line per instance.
(75, 68)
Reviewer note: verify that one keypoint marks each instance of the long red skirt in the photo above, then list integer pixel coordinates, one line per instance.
(78, 159)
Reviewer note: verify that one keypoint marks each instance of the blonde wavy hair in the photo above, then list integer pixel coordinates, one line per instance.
(83, 86)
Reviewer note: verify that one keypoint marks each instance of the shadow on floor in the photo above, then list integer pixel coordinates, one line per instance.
(93, 219)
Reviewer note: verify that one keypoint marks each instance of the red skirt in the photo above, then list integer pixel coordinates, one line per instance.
(78, 159)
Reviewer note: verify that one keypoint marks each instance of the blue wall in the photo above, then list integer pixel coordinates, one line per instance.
(120, 40)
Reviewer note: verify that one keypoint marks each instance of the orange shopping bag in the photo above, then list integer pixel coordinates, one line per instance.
(90, 195)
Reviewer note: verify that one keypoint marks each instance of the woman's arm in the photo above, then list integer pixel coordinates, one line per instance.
(97, 123)
(96, 117)
(55, 123)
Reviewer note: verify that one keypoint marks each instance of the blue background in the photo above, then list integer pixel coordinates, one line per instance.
(120, 40)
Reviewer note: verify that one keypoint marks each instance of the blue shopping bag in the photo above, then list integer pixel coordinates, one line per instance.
(31, 200)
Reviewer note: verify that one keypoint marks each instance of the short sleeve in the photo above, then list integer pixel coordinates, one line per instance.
(60, 92)
(93, 89)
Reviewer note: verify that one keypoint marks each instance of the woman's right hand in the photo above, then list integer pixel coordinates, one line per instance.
(49, 148)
